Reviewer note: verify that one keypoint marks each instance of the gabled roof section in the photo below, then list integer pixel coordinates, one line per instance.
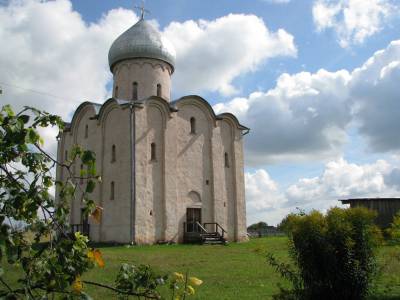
(222, 116)
(96, 107)
(232, 117)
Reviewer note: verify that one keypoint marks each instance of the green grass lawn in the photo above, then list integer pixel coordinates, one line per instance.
(236, 271)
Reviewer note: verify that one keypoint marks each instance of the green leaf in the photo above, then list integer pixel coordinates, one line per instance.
(8, 110)
(24, 118)
(90, 186)
(88, 157)
(32, 137)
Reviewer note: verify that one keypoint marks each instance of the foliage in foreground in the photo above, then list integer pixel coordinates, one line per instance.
(393, 232)
(334, 254)
(56, 267)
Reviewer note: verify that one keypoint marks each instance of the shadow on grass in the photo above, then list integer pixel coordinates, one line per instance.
(383, 297)
(106, 245)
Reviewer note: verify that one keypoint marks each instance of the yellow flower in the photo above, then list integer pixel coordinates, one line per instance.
(195, 281)
(77, 284)
(190, 290)
(178, 276)
(90, 255)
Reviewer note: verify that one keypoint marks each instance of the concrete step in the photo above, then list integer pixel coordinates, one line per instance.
(213, 242)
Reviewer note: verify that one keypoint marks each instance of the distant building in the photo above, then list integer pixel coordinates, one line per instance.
(385, 207)
(166, 166)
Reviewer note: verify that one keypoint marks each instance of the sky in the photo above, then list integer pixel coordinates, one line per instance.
(317, 81)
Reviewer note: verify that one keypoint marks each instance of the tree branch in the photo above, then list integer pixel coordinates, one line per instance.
(150, 296)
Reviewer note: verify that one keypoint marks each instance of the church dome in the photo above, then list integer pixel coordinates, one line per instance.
(142, 40)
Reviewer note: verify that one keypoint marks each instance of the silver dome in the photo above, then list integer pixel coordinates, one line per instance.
(142, 40)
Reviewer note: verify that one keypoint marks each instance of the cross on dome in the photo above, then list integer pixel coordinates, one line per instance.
(143, 11)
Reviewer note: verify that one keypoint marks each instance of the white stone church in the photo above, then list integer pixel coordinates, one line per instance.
(172, 171)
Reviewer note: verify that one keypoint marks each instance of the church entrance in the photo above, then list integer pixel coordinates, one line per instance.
(193, 217)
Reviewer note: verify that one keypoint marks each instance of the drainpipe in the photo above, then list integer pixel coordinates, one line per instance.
(133, 177)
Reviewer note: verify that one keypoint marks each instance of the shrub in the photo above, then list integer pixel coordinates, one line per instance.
(334, 254)
(393, 232)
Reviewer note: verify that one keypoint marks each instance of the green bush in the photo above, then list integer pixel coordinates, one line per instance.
(393, 232)
(334, 254)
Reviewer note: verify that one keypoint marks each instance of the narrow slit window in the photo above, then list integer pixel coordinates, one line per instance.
(192, 125)
(66, 156)
(113, 154)
(153, 151)
(81, 175)
(86, 131)
(159, 90)
(116, 92)
(134, 91)
(112, 190)
(226, 160)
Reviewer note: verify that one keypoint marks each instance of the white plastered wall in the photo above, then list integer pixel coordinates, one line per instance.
(147, 73)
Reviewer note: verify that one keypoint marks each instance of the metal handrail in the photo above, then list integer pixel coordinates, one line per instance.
(192, 227)
(222, 229)
(217, 226)
(201, 227)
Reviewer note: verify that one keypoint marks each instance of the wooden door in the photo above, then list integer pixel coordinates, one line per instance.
(193, 215)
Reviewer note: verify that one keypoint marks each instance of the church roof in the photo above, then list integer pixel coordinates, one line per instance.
(142, 40)
(172, 107)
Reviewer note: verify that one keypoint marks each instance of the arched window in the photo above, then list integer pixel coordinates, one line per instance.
(112, 190)
(134, 91)
(116, 92)
(192, 125)
(113, 154)
(159, 90)
(226, 160)
(86, 131)
(153, 151)
(81, 175)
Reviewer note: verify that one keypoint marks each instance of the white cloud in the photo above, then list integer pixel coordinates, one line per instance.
(211, 54)
(374, 88)
(261, 190)
(263, 198)
(303, 117)
(339, 180)
(353, 20)
(306, 116)
(342, 179)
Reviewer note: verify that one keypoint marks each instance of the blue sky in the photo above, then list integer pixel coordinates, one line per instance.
(304, 75)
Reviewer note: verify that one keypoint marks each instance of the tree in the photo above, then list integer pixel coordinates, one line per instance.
(333, 254)
(258, 226)
(54, 267)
